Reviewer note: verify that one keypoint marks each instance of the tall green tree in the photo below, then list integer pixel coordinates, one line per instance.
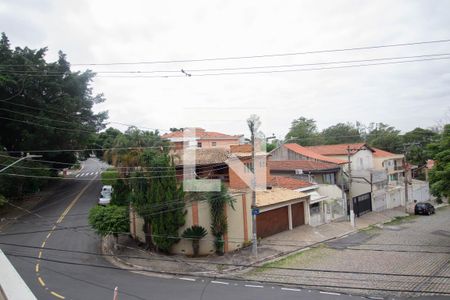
(341, 133)
(44, 105)
(304, 132)
(158, 199)
(415, 142)
(440, 174)
(385, 137)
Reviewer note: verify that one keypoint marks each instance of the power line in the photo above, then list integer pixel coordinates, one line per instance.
(270, 71)
(264, 55)
(38, 117)
(230, 278)
(232, 264)
(236, 68)
(47, 126)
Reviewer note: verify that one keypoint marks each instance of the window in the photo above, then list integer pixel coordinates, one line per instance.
(213, 144)
(329, 178)
(248, 167)
(199, 144)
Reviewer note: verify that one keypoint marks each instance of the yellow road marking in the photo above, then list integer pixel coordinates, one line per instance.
(60, 219)
(41, 281)
(74, 201)
(57, 295)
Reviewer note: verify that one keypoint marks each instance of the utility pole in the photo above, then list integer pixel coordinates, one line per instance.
(253, 124)
(19, 160)
(350, 198)
(406, 183)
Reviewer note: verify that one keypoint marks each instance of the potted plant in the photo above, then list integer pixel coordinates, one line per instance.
(195, 233)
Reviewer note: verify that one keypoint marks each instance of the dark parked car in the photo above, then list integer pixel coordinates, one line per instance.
(423, 209)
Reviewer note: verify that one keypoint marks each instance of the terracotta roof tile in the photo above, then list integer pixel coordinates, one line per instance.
(312, 154)
(382, 153)
(306, 165)
(202, 134)
(289, 183)
(277, 196)
(339, 149)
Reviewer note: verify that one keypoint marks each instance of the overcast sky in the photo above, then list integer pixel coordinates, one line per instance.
(403, 95)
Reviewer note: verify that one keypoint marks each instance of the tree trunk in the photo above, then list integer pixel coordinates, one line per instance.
(148, 234)
(116, 240)
(196, 247)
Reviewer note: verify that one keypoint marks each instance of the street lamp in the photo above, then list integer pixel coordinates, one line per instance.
(20, 159)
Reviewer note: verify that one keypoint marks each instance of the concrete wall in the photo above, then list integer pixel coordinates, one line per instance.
(12, 285)
(330, 190)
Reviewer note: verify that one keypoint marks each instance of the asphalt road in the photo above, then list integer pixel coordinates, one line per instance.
(61, 223)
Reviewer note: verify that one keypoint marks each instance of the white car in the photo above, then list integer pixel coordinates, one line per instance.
(104, 201)
(105, 195)
(106, 191)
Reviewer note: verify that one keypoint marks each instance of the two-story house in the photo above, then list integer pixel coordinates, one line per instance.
(397, 170)
(328, 202)
(362, 171)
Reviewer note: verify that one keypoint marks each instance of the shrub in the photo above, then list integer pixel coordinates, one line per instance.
(195, 233)
(111, 219)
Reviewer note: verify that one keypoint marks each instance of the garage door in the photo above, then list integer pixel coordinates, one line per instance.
(298, 214)
(272, 221)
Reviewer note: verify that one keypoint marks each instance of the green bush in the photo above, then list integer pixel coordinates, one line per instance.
(111, 219)
(109, 176)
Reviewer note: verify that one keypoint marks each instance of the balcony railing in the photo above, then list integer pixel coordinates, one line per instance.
(398, 168)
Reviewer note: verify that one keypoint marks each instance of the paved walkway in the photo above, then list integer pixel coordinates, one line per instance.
(270, 248)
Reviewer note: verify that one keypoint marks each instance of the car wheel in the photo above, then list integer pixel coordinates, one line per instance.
(429, 213)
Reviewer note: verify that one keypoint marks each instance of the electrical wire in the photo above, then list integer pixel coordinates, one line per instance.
(233, 68)
(227, 277)
(47, 126)
(199, 261)
(261, 55)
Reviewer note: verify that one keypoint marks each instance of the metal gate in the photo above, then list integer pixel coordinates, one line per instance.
(362, 204)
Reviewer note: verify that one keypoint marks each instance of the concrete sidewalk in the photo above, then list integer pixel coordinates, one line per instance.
(130, 255)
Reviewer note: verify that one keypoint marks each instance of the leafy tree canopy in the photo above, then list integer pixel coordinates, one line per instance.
(440, 174)
(385, 137)
(304, 132)
(341, 133)
(44, 105)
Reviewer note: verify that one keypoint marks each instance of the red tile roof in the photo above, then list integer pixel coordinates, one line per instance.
(289, 183)
(312, 154)
(201, 134)
(306, 165)
(382, 153)
(339, 149)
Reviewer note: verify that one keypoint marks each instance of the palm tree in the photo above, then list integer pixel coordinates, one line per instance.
(195, 233)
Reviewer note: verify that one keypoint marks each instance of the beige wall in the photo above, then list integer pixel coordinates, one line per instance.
(234, 238)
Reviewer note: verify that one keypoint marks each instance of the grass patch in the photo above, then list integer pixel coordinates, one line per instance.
(314, 253)
(400, 220)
